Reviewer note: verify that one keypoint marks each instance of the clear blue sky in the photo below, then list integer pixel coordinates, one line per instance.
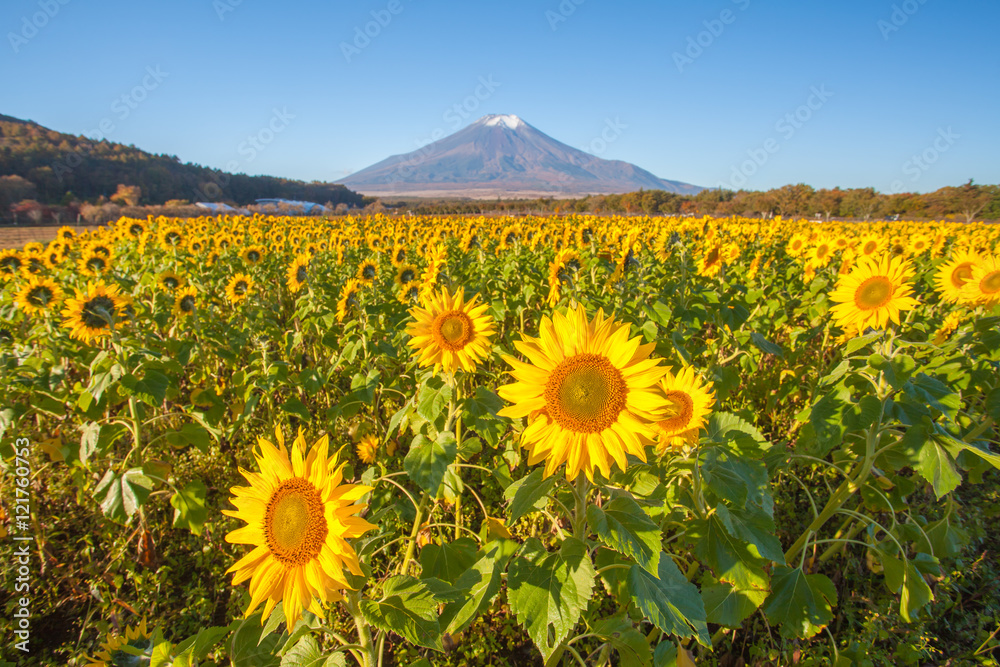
(924, 81)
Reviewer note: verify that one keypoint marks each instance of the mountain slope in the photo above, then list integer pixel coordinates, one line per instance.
(57, 163)
(503, 155)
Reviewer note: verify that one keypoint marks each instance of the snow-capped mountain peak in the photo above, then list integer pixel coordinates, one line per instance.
(502, 155)
(508, 120)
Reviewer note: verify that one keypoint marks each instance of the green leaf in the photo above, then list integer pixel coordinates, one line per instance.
(97, 438)
(432, 398)
(244, 650)
(937, 467)
(631, 645)
(193, 434)
(727, 605)
(528, 493)
(276, 618)
(754, 526)
(731, 559)
(766, 346)
(151, 389)
(197, 647)
(856, 344)
(480, 414)
(294, 406)
(660, 313)
(734, 478)
(428, 460)
(801, 603)
(934, 393)
(481, 583)
(944, 539)
(189, 506)
(398, 417)
(991, 406)
(623, 526)
(549, 591)
(121, 497)
(408, 607)
(732, 431)
(825, 428)
(914, 594)
(306, 653)
(956, 446)
(669, 601)
(447, 561)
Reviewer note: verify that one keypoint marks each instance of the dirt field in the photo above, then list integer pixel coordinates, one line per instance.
(16, 237)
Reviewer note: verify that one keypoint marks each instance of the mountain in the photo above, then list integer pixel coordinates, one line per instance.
(56, 164)
(503, 156)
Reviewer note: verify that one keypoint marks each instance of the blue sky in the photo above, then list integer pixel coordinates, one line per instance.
(898, 95)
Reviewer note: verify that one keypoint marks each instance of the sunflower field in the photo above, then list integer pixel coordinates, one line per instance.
(457, 440)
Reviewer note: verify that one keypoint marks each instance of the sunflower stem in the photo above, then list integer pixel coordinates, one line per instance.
(580, 510)
(412, 542)
(351, 601)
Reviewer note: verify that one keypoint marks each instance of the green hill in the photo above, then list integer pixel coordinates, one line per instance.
(57, 163)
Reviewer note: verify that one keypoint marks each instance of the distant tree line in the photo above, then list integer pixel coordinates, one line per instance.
(56, 170)
(965, 202)
(47, 176)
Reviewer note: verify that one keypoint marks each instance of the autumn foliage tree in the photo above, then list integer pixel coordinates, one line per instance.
(128, 195)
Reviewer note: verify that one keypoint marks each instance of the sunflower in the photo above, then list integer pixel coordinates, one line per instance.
(93, 313)
(134, 228)
(170, 237)
(821, 253)
(252, 255)
(197, 245)
(873, 293)
(408, 294)
(298, 273)
(100, 248)
(690, 402)
(299, 517)
(38, 295)
(185, 301)
(66, 233)
(948, 327)
(983, 289)
(870, 245)
(367, 272)
(55, 253)
(239, 287)
(710, 262)
(797, 245)
(35, 263)
(398, 256)
(954, 274)
(918, 244)
(367, 449)
(589, 393)
(111, 654)
(449, 332)
(93, 264)
(754, 266)
(10, 264)
(405, 274)
(348, 298)
(170, 281)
